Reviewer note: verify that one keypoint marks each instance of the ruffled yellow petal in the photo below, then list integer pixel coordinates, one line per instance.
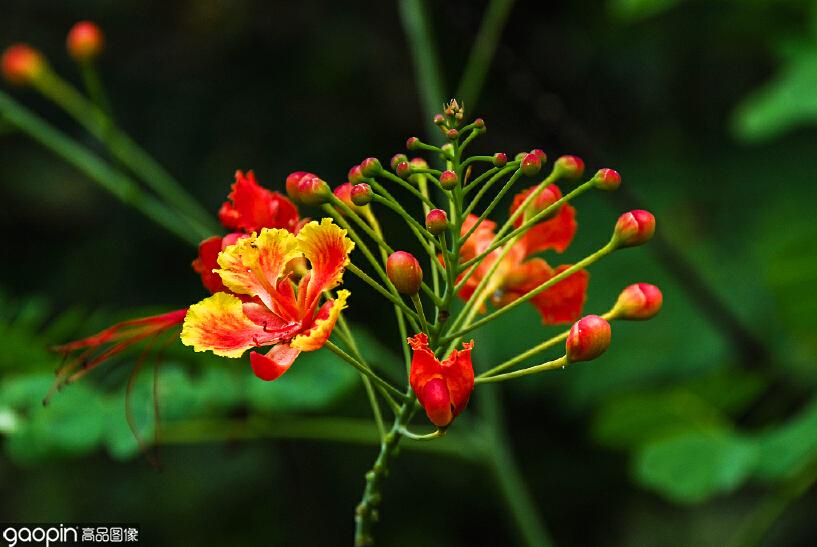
(317, 336)
(218, 324)
(327, 248)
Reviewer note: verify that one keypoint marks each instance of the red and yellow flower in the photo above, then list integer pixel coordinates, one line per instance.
(520, 272)
(443, 388)
(264, 306)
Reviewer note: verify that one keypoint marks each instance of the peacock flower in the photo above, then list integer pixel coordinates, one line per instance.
(250, 208)
(265, 306)
(443, 388)
(520, 272)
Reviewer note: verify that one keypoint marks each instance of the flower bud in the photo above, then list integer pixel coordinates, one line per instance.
(85, 41)
(531, 164)
(452, 134)
(419, 163)
(539, 153)
(22, 64)
(439, 119)
(355, 175)
(588, 338)
(479, 123)
(344, 193)
(292, 184)
(413, 143)
(545, 199)
(607, 179)
(362, 194)
(449, 180)
(313, 191)
(500, 159)
(436, 221)
(634, 228)
(403, 169)
(370, 167)
(520, 156)
(404, 272)
(638, 301)
(395, 159)
(447, 148)
(569, 167)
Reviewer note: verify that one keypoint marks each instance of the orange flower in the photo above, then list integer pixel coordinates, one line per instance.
(443, 388)
(251, 207)
(265, 307)
(519, 272)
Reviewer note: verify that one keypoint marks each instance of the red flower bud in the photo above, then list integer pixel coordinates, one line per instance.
(344, 193)
(362, 194)
(396, 159)
(479, 123)
(292, 184)
(370, 167)
(436, 221)
(22, 64)
(539, 153)
(449, 180)
(355, 175)
(545, 199)
(638, 301)
(419, 163)
(607, 179)
(588, 338)
(531, 164)
(403, 169)
(500, 159)
(313, 191)
(452, 134)
(520, 156)
(569, 167)
(404, 272)
(634, 228)
(439, 119)
(85, 41)
(412, 143)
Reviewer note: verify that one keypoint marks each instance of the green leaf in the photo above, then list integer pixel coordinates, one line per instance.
(633, 10)
(694, 466)
(784, 103)
(786, 449)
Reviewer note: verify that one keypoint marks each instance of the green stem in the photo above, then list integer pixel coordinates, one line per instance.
(112, 180)
(382, 290)
(491, 206)
(418, 305)
(561, 362)
(363, 369)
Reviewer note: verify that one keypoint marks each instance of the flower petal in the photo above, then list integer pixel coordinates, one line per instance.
(424, 365)
(327, 248)
(206, 262)
(275, 363)
(253, 265)
(325, 321)
(555, 233)
(218, 324)
(563, 302)
(459, 376)
(252, 207)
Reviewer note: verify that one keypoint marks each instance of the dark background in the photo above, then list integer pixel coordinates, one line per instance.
(707, 110)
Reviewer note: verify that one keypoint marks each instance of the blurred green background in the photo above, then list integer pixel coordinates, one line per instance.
(696, 428)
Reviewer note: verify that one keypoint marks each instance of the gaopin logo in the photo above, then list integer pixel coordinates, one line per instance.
(40, 535)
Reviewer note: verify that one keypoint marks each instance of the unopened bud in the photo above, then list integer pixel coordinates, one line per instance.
(545, 199)
(85, 41)
(370, 167)
(344, 193)
(638, 301)
(479, 123)
(403, 169)
(448, 148)
(22, 64)
(436, 221)
(419, 163)
(355, 175)
(313, 191)
(412, 143)
(292, 184)
(452, 134)
(607, 179)
(404, 272)
(569, 167)
(362, 194)
(439, 119)
(500, 159)
(531, 164)
(634, 228)
(449, 180)
(588, 338)
(396, 159)
(539, 153)
(520, 156)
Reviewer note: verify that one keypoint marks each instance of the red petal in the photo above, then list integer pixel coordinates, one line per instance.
(563, 302)
(436, 402)
(556, 233)
(254, 207)
(459, 376)
(276, 362)
(206, 262)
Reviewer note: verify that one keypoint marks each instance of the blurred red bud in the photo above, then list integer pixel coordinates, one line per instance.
(396, 159)
(439, 119)
(355, 175)
(607, 179)
(313, 191)
(292, 184)
(500, 159)
(436, 221)
(634, 228)
(22, 64)
(479, 123)
(449, 180)
(85, 41)
(569, 167)
(412, 143)
(403, 169)
(452, 134)
(588, 338)
(531, 164)
(370, 167)
(404, 272)
(539, 153)
(362, 194)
